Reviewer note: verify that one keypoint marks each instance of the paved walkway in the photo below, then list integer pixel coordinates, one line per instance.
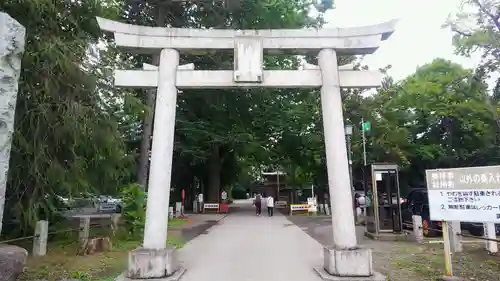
(244, 247)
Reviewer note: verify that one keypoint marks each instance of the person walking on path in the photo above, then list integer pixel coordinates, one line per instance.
(200, 202)
(361, 208)
(257, 202)
(270, 205)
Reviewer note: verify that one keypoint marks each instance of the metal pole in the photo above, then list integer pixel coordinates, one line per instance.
(364, 161)
(278, 183)
(364, 140)
(349, 157)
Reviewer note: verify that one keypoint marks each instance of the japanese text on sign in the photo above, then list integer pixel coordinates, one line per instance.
(464, 194)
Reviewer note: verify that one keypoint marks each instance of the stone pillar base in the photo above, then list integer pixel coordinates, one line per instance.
(353, 264)
(153, 264)
(328, 277)
(174, 277)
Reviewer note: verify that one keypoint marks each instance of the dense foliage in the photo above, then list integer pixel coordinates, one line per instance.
(66, 138)
(134, 209)
(75, 133)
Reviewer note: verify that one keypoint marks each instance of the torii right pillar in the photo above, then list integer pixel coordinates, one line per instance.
(344, 260)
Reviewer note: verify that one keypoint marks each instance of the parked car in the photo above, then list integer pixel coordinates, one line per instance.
(477, 228)
(110, 204)
(417, 203)
(60, 202)
(394, 200)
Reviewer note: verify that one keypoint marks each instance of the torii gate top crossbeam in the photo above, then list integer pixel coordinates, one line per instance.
(346, 41)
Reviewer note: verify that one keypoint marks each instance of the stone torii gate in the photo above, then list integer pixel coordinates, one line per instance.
(344, 259)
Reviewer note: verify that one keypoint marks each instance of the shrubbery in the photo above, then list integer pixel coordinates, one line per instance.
(134, 208)
(239, 193)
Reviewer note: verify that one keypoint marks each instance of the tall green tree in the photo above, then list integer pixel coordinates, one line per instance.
(66, 136)
(477, 29)
(438, 117)
(217, 129)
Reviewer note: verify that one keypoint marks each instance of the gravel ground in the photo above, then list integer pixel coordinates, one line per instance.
(408, 260)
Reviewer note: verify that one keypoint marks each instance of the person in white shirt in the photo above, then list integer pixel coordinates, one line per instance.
(361, 205)
(200, 202)
(270, 205)
(362, 201)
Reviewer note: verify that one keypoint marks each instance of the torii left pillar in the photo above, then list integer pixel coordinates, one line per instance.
(156, 260)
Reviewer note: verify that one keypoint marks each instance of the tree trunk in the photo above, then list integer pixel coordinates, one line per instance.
(214, 174)
(147, 131)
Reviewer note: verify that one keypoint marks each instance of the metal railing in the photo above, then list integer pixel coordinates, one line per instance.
(42, 233)
(456, 232)
(451, 232)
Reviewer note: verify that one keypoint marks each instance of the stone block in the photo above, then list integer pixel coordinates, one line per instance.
(40, 239)
(58, 280)
(12, 261)
(170, 213)
(455, 238)
(178, 209)
(352, 263)
(376, 276)
(12, 35)
(174, 277)
(152, 263)
(418, 232)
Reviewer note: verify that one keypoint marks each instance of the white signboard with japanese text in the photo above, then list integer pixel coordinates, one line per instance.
(464, 194)
(312, 204)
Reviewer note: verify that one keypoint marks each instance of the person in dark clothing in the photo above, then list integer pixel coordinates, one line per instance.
(258, 204)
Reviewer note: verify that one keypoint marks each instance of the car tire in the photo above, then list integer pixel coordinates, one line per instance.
(427, 228)
(408, 225)
(118, 209)
(476, 231)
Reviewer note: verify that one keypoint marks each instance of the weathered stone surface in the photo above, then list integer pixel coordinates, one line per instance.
(376, 276)
(12, 36)
(59, 280)
(12, 261)
(148, 263)
(350, 263)
(350, 41)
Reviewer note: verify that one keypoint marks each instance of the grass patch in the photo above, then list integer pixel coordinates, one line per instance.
(175, 222)
(426, 262)
(419, 262)
(62, 262)
(493, 263)
(428, 268)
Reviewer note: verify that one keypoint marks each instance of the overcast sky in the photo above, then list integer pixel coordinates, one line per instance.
(418, 39)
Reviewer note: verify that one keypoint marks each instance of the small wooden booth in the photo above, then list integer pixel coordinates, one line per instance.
(383, 201)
